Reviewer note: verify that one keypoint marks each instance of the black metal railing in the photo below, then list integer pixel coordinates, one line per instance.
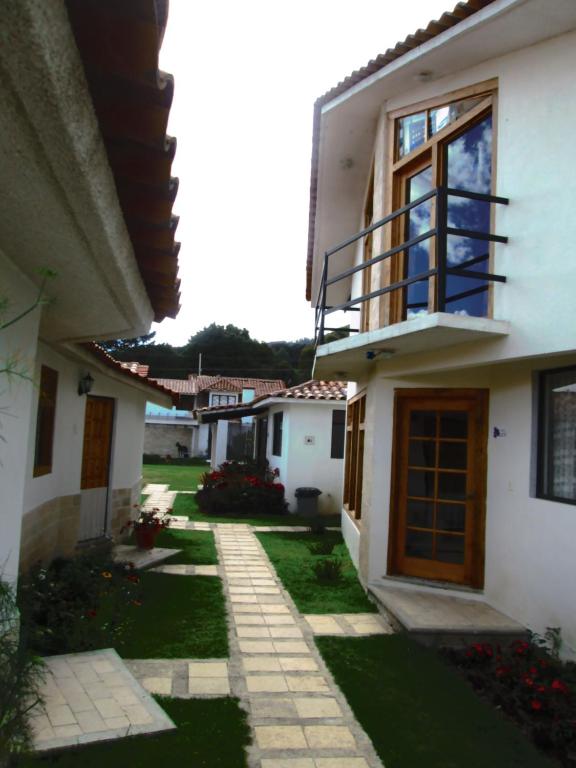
(439, 233)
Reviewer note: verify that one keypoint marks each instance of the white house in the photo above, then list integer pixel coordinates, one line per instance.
(299, 431)
(166, 427)
(86, 193)
(452, 155)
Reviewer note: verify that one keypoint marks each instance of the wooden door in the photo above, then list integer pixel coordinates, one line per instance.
(96, 456)
(438, 498)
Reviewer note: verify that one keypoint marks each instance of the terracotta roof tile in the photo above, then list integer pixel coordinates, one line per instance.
(195, 384)
(449, 19)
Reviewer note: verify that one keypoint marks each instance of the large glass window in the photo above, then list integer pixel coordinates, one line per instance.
(338, 433)
(557, 435)
(354, 461)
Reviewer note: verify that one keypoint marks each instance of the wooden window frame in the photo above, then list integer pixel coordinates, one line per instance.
(45, 421)
(277, 426)
(354, 455)
(392, 306)
(338, 434)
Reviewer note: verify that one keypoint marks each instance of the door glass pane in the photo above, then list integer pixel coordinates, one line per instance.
(450, 549)
(418, 257)
(421, 483)
(454, 424)
(451, 485)
(411, 133)
(452, 455)
(469, 168)
(423, 424)
(419, 544)
(420, 513)
(558, 428)
(451, 517)
(422, 453)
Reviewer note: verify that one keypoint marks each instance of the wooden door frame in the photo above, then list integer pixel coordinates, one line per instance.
(481, 397)
(112, 400)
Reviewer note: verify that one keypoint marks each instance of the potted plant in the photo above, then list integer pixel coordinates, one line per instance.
(148, 527)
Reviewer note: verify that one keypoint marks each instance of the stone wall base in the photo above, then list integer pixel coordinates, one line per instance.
(122, 509)
(49, 531)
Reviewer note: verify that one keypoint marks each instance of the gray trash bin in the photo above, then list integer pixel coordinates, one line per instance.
(307, 501)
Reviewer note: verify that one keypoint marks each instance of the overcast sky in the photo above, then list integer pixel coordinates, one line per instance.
(247, 74)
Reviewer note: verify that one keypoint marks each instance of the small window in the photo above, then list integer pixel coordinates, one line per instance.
(557, 435)
(45, 421)
(277, 434)
(354, 461)
(338, 432)
(223, 400)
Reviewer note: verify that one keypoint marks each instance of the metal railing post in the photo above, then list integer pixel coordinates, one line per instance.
(441, 247)
(323, 300)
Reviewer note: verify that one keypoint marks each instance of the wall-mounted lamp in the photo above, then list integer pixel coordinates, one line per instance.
(372, 354)
(85, 384)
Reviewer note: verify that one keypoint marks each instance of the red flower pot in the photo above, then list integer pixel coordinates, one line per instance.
(146, 536)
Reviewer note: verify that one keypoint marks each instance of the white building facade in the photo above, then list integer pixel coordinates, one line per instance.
(461, 459)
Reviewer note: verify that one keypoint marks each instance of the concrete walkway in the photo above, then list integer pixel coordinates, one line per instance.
(298, 716)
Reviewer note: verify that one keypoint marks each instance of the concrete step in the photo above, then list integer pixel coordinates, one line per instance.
(443, 620)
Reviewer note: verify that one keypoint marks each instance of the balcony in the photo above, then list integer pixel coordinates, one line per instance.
(432, 305)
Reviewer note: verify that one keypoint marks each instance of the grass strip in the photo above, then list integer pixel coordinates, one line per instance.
(418, 711)
(293, 561)
(211, 733)
(179, 478)
(181, 617)
(197, 547)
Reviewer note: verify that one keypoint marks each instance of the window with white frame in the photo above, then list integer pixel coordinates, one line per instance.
(223, 399)
(557, 435)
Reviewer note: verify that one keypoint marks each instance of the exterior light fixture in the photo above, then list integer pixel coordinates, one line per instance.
(85, 384)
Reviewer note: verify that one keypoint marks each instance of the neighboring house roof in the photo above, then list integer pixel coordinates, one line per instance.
(195, 384)
(309, 390)
(448, 20)
(119, 44)
(134, 371)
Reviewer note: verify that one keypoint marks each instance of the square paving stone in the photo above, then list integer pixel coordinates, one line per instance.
(278, 619)
(329, 737)
(208, 669)
(286, 632)
(256, 646)
(243, 599)
(290, 646)
(288, 762)
(241, 590)
(217, 686)
(266, 590)
(253, 632)
(249, 619)
(307, 684)
(324, 625)
(341, 762)
(298, 664)
(272, 707)
(162, 686)
(280, 737)
(266, 684)
(270, 599)
(262, 664)
(246, 608)
(309, 707)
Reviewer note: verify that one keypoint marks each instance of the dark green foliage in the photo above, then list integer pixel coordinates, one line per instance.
(77, 604)
(418, 712)
(192, 461)
(124, 345)
(241, 489)
(211, 733)
(328, 570)
(324, 547)
(226, 350)
(291, 557)
(20, 677)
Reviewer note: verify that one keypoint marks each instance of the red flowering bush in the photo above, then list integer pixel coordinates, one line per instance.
(238, 489)
(529, 685)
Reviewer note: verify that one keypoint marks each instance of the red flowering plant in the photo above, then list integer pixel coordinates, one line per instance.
(528, 682)
(147, 526)
(241, 488)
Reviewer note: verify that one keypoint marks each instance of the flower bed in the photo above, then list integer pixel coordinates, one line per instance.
(241, 489)
(529, 685)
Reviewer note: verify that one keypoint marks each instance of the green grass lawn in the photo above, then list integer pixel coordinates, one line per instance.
(197, 547)
(291, 556)
(181, 617)
(211, 733)
(186, 505)
(419, 712)
(179, 478)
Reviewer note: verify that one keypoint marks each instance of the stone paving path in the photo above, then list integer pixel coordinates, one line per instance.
(298, 716)
(182, 678)
(158, 497)
(349, 624)
(92, 697)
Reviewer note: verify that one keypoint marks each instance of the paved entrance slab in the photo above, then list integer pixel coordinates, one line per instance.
(142, 558)
(92, 697)
(297, 714)
(349, 624)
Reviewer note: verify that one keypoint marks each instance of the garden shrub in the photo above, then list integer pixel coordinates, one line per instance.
(529, 685)
(20, 679)
(322, 547)
(77, 604)
(190, 461)
(240, 489)
(328, 570)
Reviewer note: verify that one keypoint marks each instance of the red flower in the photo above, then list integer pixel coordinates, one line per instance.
(133, 578)
(533, 671)
(137, 603)
(502, 671)
(527, 680)
(541, 689)
(536, 705)
(90, 614)
(488, 650)
(558, 685)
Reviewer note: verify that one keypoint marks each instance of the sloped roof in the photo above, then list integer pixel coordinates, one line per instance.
(134, 371)
(119, 44)
(195, 384)
(462, 10)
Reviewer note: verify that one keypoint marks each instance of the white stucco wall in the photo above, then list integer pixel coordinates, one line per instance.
(530, 561)
(16, 402)
(128, 431)
(303, 464)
